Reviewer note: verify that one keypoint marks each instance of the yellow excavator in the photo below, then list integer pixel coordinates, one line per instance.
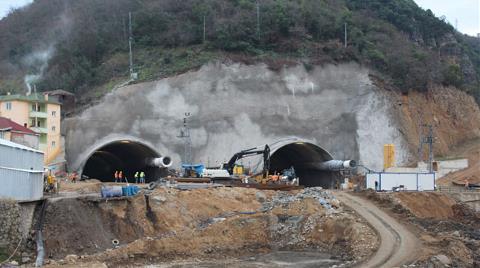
(263, 177)
(232, 168)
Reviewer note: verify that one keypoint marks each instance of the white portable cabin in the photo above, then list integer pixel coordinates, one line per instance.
(21, 172)
(387, 181)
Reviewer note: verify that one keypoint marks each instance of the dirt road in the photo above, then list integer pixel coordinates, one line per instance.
(398, 245)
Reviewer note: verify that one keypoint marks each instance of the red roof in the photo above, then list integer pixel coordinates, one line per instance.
(7, 123)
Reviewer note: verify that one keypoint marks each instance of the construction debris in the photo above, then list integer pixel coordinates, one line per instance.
(171, 224)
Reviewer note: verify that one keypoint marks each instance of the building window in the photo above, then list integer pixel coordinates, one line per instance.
(53, 144)
(54, 128)
(8, 105)
(33, 123)
(36, 107)
(54, 113)
(38, 124)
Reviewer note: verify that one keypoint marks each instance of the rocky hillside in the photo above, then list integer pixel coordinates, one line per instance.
(82, 45)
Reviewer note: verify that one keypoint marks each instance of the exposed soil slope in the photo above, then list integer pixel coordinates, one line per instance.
(421, 204)
(455, 117)
(470, 150)
(169, 224)
(448, 230)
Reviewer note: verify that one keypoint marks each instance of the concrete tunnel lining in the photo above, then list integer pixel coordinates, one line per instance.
(300, 155)
(128, 156)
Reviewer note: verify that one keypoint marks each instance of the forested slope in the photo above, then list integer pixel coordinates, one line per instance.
(82, 45)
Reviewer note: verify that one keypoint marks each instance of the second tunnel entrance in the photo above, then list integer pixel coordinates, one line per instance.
(303, 157)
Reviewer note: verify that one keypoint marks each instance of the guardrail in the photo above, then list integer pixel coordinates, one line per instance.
(453, 189)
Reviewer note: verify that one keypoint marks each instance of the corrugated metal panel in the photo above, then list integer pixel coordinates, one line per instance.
(18, 146)
(21, 172)
(19, 157)
(21, 184)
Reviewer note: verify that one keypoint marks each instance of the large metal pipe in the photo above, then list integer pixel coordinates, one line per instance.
(164, 161)
(331, 165)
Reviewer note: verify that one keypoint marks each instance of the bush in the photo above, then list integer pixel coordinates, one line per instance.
(453, 76)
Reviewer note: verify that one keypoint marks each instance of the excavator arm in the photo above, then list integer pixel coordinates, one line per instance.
(250, 152)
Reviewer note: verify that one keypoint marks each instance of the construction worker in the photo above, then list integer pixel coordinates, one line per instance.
(50, 182)
(275, 177)
(136, 177)
(142, 177)
(116, 175)
(120, 176)
(73, 177)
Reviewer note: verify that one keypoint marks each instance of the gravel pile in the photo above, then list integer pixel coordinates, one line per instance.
(324, 197)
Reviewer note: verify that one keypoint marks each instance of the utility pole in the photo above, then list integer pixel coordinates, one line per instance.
(258, 20)
(428, 139)
(204, 29)
(345, 26)
(130, 41)
(185, 134)
(124, 29)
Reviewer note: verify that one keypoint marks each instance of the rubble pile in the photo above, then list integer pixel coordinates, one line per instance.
(324, 198)
(294, 225)
(208, 225)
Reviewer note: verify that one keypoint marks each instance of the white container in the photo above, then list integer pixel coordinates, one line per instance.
(215, 173)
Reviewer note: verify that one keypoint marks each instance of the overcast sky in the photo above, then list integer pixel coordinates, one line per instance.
(466, 12)
(6, 5)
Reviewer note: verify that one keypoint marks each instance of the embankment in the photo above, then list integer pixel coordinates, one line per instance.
(168, 225)
(448, 228)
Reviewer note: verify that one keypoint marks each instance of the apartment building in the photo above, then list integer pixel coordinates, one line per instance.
(40, 114)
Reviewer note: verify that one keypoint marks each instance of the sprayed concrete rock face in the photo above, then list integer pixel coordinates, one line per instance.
(236, 106)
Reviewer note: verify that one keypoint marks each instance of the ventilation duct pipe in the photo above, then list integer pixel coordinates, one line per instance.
(164, 161)
(334, 165)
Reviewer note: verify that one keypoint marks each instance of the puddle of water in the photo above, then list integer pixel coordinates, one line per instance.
(284, 259)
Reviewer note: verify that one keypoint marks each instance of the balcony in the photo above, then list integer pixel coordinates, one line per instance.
(42, 130)
(38, 114)
(43, 147)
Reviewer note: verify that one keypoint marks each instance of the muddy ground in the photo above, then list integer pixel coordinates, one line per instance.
(234, 226)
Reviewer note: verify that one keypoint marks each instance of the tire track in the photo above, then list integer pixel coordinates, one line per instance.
(397, 244)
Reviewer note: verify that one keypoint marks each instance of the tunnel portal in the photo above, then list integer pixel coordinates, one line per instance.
(125, 155)
(303, 156)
